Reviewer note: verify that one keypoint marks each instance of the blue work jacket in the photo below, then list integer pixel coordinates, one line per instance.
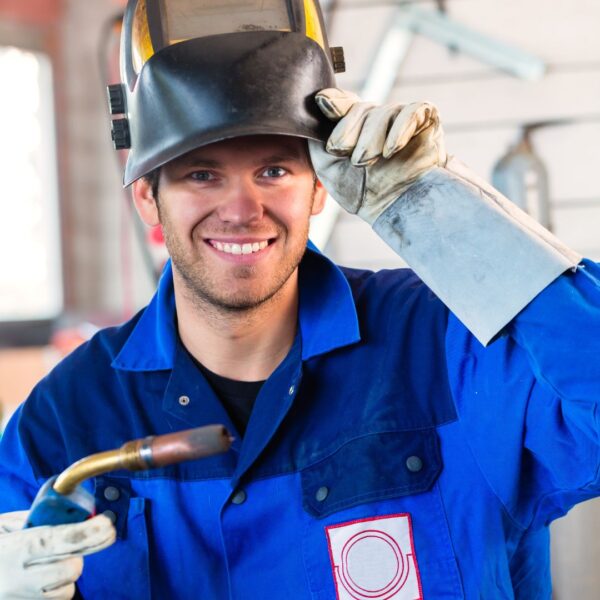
(389, 456)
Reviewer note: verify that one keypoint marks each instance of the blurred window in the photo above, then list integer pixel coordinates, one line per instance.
(30, 275)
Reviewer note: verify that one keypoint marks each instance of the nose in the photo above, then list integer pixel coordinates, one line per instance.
(241, 203)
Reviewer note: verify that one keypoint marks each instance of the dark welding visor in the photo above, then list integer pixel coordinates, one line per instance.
(157, 25)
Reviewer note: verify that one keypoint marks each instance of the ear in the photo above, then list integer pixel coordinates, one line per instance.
(319, 198)
(145, 203)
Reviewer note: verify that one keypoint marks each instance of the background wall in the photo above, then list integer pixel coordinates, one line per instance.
(106, 277)
(482, 109)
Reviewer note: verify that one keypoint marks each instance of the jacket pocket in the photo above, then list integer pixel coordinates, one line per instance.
(372, 467)
(121, 571)
(376, 525)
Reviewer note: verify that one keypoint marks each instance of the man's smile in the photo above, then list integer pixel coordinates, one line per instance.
(239, 248)
(242, 250)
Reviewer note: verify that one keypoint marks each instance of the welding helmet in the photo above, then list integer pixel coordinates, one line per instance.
(194, 72)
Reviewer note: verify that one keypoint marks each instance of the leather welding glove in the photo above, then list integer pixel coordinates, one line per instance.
(394, 144)
(45, 562)
(480, 254)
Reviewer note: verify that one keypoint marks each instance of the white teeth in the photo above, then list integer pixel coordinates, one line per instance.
(239, 248)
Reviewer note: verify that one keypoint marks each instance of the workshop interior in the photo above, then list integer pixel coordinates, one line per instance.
(517, 83)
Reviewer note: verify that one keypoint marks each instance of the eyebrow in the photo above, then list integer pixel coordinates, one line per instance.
(280, 158)
(199, 161)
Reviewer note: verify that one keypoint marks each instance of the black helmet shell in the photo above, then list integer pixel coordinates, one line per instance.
(209, 89)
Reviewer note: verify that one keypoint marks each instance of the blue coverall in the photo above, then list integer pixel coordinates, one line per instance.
(390, 455)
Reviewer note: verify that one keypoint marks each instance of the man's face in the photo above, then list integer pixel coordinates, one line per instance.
(235, 217)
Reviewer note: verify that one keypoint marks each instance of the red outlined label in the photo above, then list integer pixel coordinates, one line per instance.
(374, 559)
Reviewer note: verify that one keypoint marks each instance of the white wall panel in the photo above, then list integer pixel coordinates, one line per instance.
(359, 32)
(356, 245)
(559, 31)
(572, 156)
(502, 98)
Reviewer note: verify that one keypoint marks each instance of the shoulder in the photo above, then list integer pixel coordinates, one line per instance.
(395, 308)
(392, 289)
(94, 357)
(65, 410)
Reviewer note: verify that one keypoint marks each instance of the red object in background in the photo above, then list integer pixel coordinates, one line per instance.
(156, 237)
(31, 11)
(66, 339)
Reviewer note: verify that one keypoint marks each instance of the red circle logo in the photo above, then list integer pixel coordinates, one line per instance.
(372, 566)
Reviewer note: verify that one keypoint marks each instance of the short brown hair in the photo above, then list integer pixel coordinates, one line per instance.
(152, 179)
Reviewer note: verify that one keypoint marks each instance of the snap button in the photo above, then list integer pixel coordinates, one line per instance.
(111, 515)
(322, 493)
(184, 400)
(292, 390)
(239, 498)
(111, 493)
(414, 464)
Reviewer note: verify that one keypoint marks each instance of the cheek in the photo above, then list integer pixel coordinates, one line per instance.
(295, 208)
(182, 215)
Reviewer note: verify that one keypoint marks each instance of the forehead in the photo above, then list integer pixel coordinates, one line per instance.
(249, 150)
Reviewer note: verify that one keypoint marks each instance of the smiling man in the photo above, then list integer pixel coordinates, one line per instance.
(403, 435)
(235, 217)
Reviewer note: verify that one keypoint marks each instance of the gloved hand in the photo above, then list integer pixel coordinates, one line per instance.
(45, 562)
(466, 241)
(375, 152)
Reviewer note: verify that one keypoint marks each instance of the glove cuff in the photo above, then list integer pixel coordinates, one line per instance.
(478, 252)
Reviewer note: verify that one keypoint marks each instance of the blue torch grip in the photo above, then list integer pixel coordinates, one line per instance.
(52, 508)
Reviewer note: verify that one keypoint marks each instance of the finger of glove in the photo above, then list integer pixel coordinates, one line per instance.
(54, 578)
(47, 544)
(341, 179)
(411, 120)
(335, 103)
(373, 135)
(64, 593)
(13, 521)
(345, 135)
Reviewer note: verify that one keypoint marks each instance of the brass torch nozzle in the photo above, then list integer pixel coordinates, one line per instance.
(147, 453)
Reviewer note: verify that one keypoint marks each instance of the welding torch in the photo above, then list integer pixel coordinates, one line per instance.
(62, 499)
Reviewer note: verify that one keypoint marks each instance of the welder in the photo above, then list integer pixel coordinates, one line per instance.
(403, 434)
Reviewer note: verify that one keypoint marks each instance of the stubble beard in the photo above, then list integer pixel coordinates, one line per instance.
(210, 293)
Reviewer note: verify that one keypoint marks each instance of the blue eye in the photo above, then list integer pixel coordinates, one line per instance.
(201, 175)
(274, 172)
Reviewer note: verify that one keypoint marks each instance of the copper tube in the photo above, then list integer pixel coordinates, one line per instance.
(147, 453)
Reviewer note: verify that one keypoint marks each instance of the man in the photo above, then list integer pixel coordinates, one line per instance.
(381, 450)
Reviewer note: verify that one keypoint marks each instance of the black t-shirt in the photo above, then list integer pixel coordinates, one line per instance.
(238, 397)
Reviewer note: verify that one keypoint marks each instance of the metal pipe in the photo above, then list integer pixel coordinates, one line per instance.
(453, 34)
(147, 453)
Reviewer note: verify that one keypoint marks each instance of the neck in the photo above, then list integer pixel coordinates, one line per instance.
(243, 345)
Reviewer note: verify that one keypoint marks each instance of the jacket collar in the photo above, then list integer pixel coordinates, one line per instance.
(327, 317)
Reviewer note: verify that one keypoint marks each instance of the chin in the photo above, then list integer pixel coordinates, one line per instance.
(243, 301)
(245, 289)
